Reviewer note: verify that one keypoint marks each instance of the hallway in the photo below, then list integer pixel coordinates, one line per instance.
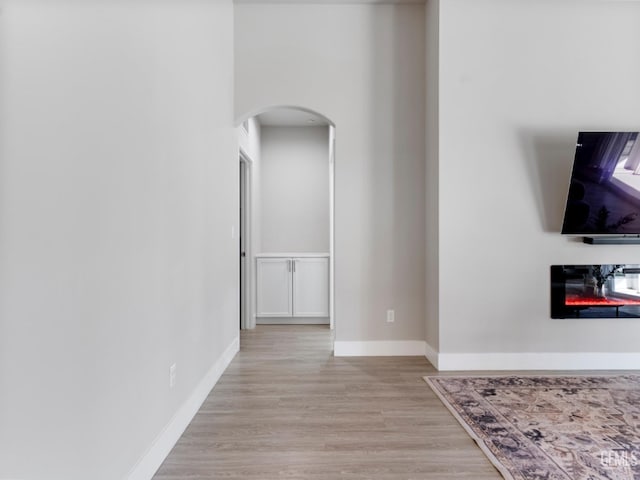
(286, 408)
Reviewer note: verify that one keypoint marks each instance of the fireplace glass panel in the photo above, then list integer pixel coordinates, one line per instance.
(595, 291)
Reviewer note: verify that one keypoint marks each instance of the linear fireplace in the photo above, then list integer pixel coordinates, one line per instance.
(595, 291)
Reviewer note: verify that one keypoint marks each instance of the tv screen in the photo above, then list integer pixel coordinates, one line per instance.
(604, 193)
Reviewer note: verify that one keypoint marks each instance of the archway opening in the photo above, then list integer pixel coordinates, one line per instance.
(287, 206)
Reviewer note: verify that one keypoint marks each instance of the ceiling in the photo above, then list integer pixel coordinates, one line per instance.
(290, 117)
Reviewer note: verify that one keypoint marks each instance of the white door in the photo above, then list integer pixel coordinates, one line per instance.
(274, 295)
(311, 287)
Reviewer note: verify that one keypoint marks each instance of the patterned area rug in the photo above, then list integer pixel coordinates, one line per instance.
(550, 427)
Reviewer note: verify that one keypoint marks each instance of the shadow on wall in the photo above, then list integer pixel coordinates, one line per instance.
(548, 157)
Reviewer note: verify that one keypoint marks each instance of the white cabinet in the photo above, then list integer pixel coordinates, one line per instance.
(275, 287)
(292, 286)
(310, 287)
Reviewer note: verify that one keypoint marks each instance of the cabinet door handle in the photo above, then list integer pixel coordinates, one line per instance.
(294, 266)
(289, 265)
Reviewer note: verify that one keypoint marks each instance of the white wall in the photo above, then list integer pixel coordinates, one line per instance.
(118, 190)
(294, 189)
(362, 66)
(515, 88)
(432, 269)
(249, 140)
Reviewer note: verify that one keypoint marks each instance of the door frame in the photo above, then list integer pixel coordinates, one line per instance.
(332, 161)
(247, 292)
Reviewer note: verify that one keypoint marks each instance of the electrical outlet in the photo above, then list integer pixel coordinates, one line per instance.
(172, 376)
(391, 316)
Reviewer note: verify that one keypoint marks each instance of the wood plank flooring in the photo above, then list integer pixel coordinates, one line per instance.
(286, 408)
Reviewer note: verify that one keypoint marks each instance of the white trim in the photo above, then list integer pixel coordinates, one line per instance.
(489, 361)
(538, 361)
(292, 255)
(149, 463)
(249, 297)
(332, 223)
(266, 108)
(431, 354)
(396, 348)
(311, 320)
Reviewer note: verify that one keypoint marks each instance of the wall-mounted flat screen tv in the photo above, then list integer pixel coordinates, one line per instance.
(604, 193)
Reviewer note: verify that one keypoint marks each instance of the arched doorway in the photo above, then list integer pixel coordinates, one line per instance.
(259, 241)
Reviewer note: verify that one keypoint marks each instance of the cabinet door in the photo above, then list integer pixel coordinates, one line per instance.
(311, 287)
(274, 289)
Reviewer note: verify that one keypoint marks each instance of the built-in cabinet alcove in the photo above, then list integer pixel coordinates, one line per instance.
(291, 217)
(291, 286)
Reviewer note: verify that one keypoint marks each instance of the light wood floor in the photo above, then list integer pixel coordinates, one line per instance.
(286, 408)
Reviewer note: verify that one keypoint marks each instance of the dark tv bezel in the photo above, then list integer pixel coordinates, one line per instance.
(591, 237)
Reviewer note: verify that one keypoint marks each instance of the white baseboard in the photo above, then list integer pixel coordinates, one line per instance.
(292, 320)
(538, 361)
(431, 354)
(162, 445)
(490, 361)
(384, 348)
